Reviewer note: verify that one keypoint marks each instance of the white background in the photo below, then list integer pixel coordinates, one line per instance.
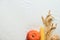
(17, 17)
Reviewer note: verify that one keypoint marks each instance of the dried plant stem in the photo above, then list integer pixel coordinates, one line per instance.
(49, 26)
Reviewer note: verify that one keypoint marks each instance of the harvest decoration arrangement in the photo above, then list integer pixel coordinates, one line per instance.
(45, 32)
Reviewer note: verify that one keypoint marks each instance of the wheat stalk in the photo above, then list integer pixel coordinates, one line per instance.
(49, 25)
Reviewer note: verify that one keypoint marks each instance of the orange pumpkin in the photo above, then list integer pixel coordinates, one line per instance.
(33, 35)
